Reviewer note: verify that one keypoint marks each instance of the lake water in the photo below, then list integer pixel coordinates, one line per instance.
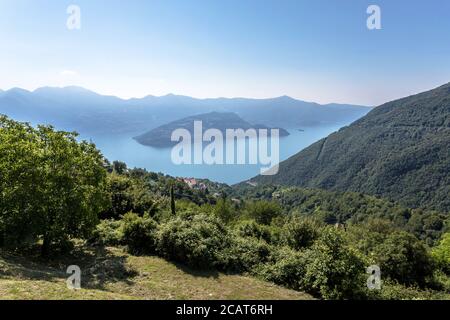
(159, 160)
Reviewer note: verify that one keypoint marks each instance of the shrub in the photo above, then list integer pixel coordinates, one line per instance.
(300, 233)
(195, 240)
(224, 210)
(441, 253)
(253, 229)
(244, 254)
(108, 233)
(128, 194)
(367, 236)
(263, 211)
(120, 201)
(333, 270)
(329, 269)
(186, 209)
(402, 257)
(139, 233)
(391, 290)
(287, 268)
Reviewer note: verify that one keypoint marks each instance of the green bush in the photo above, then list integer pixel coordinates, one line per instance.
(287, 268)
(263, 211)
(244, 254)
(250, 228)
(139, 233)
(127, 194)
(333, 269)
(391, 290)
(195, 240)
(441, 253)
(365, 237)
(329, 269)
(108, 233)
(300, 233)
(224, 210)
(402, 257)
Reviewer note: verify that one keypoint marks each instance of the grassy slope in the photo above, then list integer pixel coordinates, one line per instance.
(113, 274)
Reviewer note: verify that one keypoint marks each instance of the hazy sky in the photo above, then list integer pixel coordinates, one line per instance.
(313, 50)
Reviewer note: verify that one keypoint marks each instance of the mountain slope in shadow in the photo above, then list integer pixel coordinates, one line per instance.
(400, 150)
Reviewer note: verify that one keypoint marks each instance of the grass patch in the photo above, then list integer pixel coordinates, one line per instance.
(112, 274)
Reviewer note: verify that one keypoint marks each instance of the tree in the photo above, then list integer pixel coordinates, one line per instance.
(263, 211)
(441, 253)
(119, 167)
(403, 258)
(52, 186)
(224, 210)
(120, 201)
(333, 269)
(128, 194)
(139, 233)
(300, 233)
(172, 201)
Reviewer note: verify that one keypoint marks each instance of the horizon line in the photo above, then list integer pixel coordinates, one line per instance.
(177, 95)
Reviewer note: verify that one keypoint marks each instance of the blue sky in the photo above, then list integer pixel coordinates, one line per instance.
(317, 50)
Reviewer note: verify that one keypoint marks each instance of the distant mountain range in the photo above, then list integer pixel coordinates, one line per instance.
(78, 109)
(161, 137)
(400, 151)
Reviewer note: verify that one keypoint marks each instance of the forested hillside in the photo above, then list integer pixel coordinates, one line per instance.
(351, 208)
(400, 151)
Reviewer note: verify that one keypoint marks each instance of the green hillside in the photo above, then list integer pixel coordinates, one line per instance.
(400, 151)
(350, 208)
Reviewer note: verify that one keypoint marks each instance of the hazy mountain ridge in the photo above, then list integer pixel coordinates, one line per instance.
(400, 150)
(75, 108)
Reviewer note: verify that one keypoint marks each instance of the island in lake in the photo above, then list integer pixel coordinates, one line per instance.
(160, 137)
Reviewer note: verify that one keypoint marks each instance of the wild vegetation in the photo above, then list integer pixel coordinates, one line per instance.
(351, 208)
(56, 191)
(52, 187)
